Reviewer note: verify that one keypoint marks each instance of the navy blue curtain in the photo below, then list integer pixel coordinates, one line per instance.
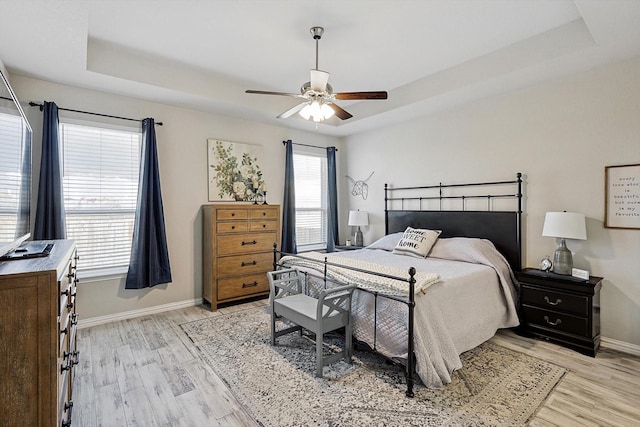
(49, 223)
(149, 264)
(332, 200)
(289, 203)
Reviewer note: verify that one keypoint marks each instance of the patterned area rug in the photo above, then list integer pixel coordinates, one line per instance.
(278, 387)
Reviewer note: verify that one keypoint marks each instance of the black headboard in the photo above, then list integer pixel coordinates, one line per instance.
(503, 228)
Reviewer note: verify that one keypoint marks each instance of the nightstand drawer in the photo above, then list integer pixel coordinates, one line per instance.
(557, 301)
(556, 321)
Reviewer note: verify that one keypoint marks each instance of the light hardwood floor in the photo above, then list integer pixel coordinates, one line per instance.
(146, 372)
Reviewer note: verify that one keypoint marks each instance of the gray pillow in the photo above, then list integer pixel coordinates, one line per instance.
(386, 243)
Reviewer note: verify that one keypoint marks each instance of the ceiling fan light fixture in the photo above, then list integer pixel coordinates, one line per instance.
(327, 112)
(316, 110)
(306, 112)
(320, 99)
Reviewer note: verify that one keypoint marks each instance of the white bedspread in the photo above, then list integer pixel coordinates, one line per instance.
(474, 297)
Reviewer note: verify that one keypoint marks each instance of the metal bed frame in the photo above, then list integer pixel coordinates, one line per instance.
(503, 228)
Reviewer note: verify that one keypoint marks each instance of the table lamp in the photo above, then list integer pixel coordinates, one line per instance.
(564, 225)
(357, 219)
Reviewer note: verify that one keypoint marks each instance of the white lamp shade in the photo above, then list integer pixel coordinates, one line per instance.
(566, 225)
(357, 218)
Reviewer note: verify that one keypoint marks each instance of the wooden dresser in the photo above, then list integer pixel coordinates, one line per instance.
(237, 250)
(38, 324)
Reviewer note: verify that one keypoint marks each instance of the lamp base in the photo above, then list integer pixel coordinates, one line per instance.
(562, 260)
(359, 241)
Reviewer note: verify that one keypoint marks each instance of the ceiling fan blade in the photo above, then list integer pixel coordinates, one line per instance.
(349, 96)
(291, 111)
(341, 113)
(266, 92)
(319, 80)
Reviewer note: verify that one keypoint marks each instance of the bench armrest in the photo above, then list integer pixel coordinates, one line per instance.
(284, 282)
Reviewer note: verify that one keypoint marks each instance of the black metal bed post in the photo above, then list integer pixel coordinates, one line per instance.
(410, 355)
(519, 220)
(386, 210)
(275, 260)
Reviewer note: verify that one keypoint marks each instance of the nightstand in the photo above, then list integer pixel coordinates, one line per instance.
(339, 248)
(561, 309)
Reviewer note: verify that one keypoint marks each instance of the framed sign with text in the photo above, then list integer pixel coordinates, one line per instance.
(622, 196)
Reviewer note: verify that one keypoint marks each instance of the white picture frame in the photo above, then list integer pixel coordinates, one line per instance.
(622, 196)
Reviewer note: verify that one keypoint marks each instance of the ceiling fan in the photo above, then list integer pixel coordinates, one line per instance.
(319, 99)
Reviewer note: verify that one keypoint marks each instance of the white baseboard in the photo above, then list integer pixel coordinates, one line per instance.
(622, 346)
(100, 320)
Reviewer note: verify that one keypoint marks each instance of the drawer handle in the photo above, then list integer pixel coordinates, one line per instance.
(556, 323)
(249, 243)
(264, 214)
(75, 355)
(264, 225)
(69, 407)
(233, 227)
(74, 319)
(244, 264)
(65, 292)
(558, 301)
(233, 214)
(250, 285)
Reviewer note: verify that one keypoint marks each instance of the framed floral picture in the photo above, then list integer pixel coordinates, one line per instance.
(234, 171)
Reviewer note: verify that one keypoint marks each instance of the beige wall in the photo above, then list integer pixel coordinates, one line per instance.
(560, 135)
(182, 152)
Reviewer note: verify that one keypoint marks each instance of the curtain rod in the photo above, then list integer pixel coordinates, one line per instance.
(307, 145)
(41, 106)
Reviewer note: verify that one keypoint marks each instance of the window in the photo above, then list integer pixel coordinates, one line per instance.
(11, 181)
(311, 200)
(100, 181)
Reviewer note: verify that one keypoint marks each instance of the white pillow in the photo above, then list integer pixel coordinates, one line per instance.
(416, 242)
(387, 243)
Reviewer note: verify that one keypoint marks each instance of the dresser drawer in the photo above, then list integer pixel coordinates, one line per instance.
(557, 301)
(233, 287)
(245, 243)
(245, 264)
(232, 227)
(264, 213)
(232, 213)
(263, 225)
(553, 320)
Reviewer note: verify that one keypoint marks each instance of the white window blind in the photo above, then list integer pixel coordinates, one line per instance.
(100, 179)
(311, 200)
(10, 176)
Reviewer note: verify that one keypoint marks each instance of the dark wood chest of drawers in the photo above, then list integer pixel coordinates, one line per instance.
(237, 250)
(561, 309)
(38, 323)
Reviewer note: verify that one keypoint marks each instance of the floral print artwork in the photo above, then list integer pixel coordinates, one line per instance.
(234, 173)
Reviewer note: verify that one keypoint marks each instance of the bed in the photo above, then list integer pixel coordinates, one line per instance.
(423, 312)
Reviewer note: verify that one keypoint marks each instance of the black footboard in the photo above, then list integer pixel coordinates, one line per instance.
(409, 365)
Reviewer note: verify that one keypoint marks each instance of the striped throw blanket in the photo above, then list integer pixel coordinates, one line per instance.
(368, 281)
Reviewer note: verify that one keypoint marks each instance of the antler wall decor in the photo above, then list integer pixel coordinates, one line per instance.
(360, 187)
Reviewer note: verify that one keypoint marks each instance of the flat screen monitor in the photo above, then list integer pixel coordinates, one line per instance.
(15, 169)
